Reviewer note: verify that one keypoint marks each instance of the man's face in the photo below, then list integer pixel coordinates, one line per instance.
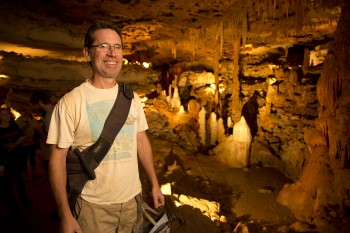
(5, 115)
(37, 110)
(105, 63)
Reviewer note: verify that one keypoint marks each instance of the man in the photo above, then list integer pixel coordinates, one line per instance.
(107, 203)
(42, 105)
(33, 131)
(11, 139)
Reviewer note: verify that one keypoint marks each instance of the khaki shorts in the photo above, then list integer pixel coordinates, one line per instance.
(114, 218)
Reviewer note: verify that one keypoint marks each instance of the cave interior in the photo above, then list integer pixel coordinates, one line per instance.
(242, 85)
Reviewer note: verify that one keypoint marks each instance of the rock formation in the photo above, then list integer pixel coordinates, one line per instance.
(324, 182)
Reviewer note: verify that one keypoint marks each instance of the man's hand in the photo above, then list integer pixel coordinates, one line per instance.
(158, 198)
(70, 225)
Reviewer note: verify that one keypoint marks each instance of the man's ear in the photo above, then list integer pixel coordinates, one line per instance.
(86, 54)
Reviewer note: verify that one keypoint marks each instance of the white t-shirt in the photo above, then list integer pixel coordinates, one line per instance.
(78, 120)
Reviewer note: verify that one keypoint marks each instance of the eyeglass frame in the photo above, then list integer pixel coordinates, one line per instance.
(101, 47)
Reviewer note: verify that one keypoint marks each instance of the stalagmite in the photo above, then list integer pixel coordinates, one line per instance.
(213, 129)
(193, 108)
(176, 101)
(234, 151)
(182, 109)
(229, 122)
(168, 100)
(163, 93)
(202, 125)
(170, 92)
(221, 130)
(242, 139)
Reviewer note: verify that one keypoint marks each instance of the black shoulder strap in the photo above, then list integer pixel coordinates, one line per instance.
(119, 113)
(92, 156)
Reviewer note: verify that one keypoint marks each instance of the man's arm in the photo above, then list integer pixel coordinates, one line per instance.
(58, 180)
(39, 129)
(144, 151)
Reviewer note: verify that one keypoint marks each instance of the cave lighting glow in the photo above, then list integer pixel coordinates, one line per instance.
(212, 88)
(272, 81)
(166, 189)
(4, 76)
(222, 87)
(64, 55)
(33, 52)
(146, 64)
(195, 203)
(13, 111)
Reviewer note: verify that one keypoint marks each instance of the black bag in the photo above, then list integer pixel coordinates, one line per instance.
(159, 223)
(80, 165)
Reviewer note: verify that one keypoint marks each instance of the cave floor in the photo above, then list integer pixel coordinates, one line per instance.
(246, 197)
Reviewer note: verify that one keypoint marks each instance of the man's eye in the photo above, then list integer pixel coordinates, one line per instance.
(117, 46)
(104, 46)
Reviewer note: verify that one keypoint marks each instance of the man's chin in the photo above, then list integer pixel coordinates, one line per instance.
(111, 76)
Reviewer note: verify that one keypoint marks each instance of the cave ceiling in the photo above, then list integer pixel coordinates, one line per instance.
(165, 31)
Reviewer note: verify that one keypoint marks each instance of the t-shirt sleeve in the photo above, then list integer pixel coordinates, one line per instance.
(61, 128)
(142, 121)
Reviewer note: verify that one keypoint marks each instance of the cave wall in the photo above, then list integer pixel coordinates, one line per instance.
(320, 197)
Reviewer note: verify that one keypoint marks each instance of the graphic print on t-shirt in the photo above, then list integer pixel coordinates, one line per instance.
(123, 145)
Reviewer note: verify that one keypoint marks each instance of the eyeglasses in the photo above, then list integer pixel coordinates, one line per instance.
(106, 47)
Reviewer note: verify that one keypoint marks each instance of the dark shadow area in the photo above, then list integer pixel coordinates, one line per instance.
(250, 111)
(39, 218)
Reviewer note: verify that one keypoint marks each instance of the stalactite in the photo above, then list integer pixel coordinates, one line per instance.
(236, 39)
(270, 7)
(244, 27)
(306, 60)
(193, 34)
(221, 36)
(287, 8)
(218, 53)
(344, 156)
(329, 86)
(299, 15)
(173, 51)
(216, 75)
(250, 12)
(236, 105)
